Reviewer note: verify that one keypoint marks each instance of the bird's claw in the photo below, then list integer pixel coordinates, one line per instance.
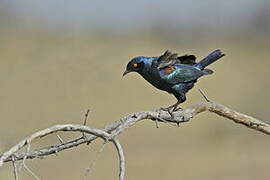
(170, 110)
(177, 109)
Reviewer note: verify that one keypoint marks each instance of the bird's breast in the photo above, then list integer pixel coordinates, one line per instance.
(153, 77)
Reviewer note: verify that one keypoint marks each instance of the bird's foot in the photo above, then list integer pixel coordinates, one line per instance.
(168, 109)
(177, 109)
(171, 109)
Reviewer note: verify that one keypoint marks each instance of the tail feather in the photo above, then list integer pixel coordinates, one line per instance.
(212, 57)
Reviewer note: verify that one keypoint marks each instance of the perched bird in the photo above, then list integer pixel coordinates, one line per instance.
(172, 73)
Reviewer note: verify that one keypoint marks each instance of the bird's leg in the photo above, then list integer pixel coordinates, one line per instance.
(172, 108)
(180, 99)
(179, 108)
(175, 106)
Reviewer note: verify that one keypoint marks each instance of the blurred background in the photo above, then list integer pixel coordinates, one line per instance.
(59, 58)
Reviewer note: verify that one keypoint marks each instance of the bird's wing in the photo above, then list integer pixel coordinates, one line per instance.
(180, 73)
(168, 58)
(187, 59)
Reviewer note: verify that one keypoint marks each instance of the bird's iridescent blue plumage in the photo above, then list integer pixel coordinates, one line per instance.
(172, 73)
(182, 73)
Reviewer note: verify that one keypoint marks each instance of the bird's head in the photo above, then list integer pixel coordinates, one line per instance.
(135, 65)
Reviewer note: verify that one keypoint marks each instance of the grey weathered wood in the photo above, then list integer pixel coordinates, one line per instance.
(111, 131)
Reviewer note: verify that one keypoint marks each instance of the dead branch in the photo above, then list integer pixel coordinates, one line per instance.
(110, 132)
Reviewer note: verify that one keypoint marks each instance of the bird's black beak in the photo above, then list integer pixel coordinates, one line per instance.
(126, 72)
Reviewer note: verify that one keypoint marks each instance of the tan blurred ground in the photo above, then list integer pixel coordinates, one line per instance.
(49, 78)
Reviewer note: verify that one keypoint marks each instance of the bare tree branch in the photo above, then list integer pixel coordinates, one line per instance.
(15, 171)
(121, 158)
(110, 132)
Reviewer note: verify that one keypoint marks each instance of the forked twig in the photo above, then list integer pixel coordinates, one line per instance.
(204, 96)
(85, 119)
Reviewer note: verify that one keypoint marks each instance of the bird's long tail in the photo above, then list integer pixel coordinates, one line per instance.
(212, 57)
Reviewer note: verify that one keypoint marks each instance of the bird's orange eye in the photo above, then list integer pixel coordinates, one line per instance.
(135, 65)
